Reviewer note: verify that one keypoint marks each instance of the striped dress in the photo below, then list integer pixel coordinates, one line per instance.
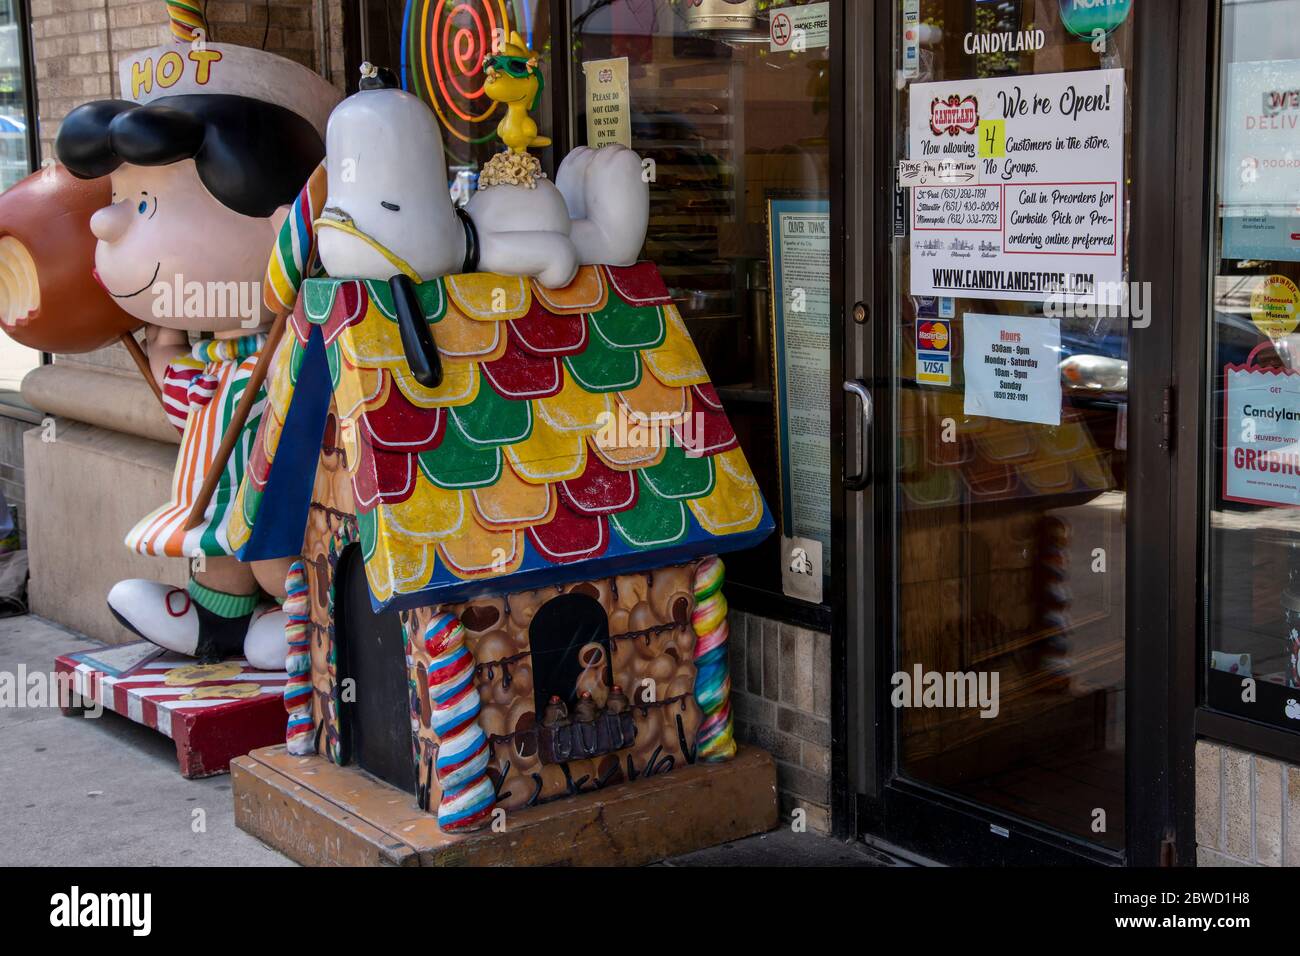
(201, 392)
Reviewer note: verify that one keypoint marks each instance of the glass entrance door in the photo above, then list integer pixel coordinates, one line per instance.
(1007, 414)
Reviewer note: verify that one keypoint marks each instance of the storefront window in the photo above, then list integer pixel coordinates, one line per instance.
(15, 160)
(437, 48)
(733, 119)
(1253, 573)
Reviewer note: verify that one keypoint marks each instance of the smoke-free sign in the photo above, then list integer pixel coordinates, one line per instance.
(802, 28)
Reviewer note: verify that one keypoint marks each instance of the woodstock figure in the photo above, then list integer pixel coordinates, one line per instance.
(513, 78)
(387, 210)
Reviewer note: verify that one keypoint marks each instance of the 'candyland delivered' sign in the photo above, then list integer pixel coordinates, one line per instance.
(1261, 435)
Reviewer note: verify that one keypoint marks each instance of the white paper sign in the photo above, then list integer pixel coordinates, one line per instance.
(1044, 213)
(1261, 170)
(800, 28)
(800, 238)
(942, 172)
(801, 568)
(609, 103)
(1261, 161)
(1012, 367)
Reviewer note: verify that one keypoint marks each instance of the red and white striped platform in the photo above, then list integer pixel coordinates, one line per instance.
(213, 712)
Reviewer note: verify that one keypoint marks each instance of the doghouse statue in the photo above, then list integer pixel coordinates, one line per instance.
(508, 492)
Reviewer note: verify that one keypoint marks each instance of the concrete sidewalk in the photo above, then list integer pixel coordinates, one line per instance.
(106, 791)
(103, 791)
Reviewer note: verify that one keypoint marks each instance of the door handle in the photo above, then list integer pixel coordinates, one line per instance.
(863, 478)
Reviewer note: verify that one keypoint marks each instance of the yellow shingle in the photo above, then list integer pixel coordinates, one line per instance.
(675, 362)
(548, 455)
(488, 297)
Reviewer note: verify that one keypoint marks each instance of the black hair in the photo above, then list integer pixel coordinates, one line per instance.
(252, 156)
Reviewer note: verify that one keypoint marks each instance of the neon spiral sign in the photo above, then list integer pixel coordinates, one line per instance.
(443, 46)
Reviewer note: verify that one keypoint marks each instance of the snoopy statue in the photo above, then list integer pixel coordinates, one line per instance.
(388, 211)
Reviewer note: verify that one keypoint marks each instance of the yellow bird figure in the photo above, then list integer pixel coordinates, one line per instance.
(514, 78)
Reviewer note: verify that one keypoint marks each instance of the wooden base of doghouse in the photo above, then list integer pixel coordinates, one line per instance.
(320, 814)
(212, 713)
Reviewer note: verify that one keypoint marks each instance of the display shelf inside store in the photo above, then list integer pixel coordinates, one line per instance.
(685, 120)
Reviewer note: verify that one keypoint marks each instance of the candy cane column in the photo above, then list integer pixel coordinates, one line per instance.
(715, 740)
(461, 765)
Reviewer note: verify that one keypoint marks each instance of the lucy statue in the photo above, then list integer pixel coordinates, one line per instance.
(206, 151)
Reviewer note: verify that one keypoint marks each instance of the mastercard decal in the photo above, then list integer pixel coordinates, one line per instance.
(933, 352)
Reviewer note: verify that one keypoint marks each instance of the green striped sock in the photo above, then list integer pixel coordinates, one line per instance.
(222, 604)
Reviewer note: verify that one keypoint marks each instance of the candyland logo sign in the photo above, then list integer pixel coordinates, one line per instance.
(953, 115)
(1086, 18)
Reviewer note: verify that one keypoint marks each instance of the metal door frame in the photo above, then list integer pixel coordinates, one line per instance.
(871, 799)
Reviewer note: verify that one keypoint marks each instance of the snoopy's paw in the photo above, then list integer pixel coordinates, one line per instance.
(560, 271)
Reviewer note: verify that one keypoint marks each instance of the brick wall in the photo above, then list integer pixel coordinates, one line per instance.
(781, 697)
(1247, 808)
(77, 43)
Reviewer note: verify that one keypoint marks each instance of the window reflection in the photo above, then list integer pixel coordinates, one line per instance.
(1010, 532)
(15, 162)
(1254, 394)
(729, 125)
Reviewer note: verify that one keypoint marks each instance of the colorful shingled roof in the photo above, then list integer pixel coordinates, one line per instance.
(575, 433)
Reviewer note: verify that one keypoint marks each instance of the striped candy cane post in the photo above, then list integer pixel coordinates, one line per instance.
(461, 766)
(186, 20)
(715, 740)
(299, 736)
(293, 258)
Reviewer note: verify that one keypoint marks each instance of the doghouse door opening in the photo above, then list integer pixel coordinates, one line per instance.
(376, 725)
(569, 642)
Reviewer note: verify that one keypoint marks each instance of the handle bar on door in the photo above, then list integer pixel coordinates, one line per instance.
(863, 478)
